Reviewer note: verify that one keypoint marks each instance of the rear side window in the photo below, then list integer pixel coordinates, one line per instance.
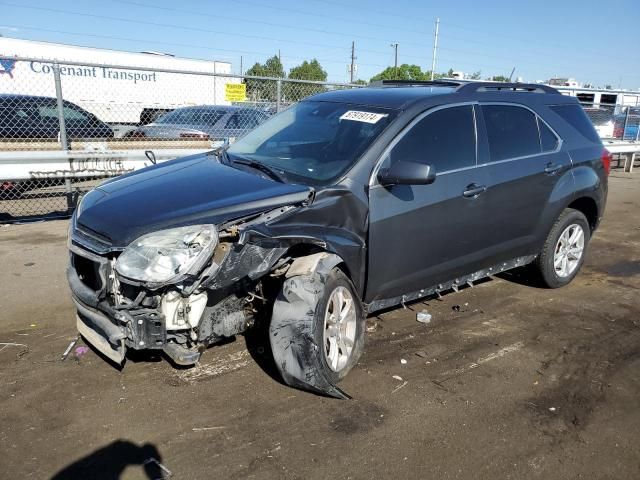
(574, 115)
(444, 139)
(511, 131)
(548, 139)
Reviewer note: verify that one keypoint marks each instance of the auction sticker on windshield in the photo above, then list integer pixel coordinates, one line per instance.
(367, 117)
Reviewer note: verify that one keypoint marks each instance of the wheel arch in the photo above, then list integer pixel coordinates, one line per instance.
(589, 208)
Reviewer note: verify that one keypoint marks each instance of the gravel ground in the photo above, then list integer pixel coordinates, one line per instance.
(507, 381)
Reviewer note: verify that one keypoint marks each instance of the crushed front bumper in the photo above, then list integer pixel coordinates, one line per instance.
(98, 330)
(108, 329)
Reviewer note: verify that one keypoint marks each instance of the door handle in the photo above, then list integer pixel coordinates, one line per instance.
(473, 190)
(552, 168)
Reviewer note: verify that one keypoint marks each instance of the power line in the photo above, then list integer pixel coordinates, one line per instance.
(186, 45)
(554, 46)
(350, 21)
(188, 28)
(168, 25)
(258, 22)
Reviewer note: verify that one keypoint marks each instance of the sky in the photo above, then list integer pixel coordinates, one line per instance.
(592, 41)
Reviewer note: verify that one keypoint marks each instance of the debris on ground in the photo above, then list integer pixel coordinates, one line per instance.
(80, 351)
(459, 308)
(423, 317)
(71, 345)
(25, 348)
(372, 326)
(166, 472)
(397, 377)
(421, 354)
(205, 429)
(404, 384)
(403, 361)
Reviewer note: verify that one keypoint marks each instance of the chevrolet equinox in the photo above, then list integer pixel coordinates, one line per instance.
(346, 203)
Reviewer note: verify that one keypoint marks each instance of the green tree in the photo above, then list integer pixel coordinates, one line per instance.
(500, 78)
(403, 72)
(260, 90)
(475, 75)
(360, 82)
(294, 91)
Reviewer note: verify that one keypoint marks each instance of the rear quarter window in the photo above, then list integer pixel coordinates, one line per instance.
(574, 115)
(548, 139)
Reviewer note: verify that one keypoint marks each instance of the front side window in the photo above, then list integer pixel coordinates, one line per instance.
(511, 132)
(444, 139)
(313, 142)
(48, 112)
(73, 114)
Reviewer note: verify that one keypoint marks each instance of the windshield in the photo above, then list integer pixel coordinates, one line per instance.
(314, 141)
(192, 116)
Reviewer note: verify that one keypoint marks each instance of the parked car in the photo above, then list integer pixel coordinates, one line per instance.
(206, 122)
(31, 117)
(344, 204)
(602, 119)
(626, 126)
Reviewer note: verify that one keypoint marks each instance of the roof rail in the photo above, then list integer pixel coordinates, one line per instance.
(415, 83)
(469, 87)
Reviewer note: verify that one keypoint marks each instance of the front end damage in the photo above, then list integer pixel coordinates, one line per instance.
(116, 313)
(235, 288)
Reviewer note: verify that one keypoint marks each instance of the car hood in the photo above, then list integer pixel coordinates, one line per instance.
(188, 191)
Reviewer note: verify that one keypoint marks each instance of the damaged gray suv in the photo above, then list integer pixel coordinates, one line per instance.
(346, 203)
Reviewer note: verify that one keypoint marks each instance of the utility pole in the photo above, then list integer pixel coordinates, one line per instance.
(353, 60)
(395, 47)
(435, 48)
(241, 72)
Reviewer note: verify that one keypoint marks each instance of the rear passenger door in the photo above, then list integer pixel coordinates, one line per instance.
(421, 235)
(525, 165)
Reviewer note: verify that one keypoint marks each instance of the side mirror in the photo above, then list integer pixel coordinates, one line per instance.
(407, 173)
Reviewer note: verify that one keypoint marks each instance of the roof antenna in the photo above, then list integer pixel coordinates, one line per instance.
(511, 76)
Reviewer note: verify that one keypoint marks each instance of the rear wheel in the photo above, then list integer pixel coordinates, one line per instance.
(564, 249)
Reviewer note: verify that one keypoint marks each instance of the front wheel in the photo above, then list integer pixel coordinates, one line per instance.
(317, 330)
(564, 249)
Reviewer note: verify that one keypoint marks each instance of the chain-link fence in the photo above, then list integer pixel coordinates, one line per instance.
(614, 121)
(42, 198)
(66, 125)
(58, 117)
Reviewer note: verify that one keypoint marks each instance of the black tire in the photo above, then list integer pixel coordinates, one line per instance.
(337, 278)
(297, 331)
(544, 263)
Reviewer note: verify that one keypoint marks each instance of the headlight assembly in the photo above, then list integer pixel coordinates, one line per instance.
(167, 255)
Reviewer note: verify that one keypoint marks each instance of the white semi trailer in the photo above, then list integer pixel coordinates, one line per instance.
(118, 87)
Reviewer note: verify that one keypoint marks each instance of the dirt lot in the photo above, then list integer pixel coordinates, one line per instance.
(507, 381)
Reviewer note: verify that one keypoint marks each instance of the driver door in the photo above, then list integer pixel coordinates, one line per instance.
(421, 235)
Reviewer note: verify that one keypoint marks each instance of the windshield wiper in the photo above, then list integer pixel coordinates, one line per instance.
(257, 166)
(221, 151)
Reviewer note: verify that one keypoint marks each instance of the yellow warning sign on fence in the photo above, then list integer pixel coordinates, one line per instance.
(235, 92)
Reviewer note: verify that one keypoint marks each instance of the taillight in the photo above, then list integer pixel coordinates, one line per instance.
(195, 136)
(606, 160)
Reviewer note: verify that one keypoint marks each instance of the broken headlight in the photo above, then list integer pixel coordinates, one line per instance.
(167, 255)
